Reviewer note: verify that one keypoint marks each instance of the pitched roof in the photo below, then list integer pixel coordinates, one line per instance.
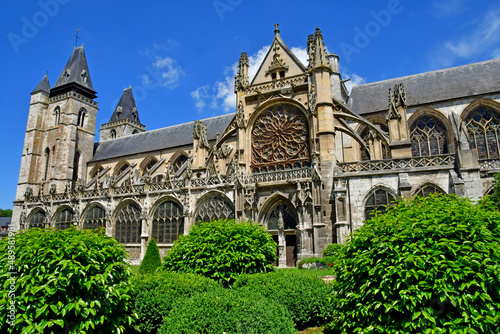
(451, 83)
(126, 107)
(160, 139)
(76, 71)
(43, 85)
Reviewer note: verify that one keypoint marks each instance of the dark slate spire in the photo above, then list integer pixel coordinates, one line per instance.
(75, 75)
(43, 86)
(126, 107)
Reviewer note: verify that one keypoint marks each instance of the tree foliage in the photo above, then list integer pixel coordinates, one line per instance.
(5, 213)
(430, 265)
(495, 195)
(66, 281)
(152, 259)
(222, 250)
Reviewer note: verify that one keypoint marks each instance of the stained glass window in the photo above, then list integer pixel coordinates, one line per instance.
(37, 220)
(214, 208)
(95, 218)
(168, 222)
(64, 219)
(427, 190)
(428, 137)
(179, 162)
(280, 140)
(483, 125)
(128, 224)
(377, 201)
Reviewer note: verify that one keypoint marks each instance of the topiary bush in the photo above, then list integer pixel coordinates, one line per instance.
(152, 259)
(306, 297)
(430, 265)
(66, 281)
(222, 250)
(333, 250)
(228, 311)
(154, 295)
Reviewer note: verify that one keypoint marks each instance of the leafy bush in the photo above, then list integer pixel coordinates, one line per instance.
(154, 295)
(307, 298)
(227, 311)
(69, 281)
(495, 196)
(428, 265)
(152, 259)
(222, 250)
(317, 263)
(333, 250)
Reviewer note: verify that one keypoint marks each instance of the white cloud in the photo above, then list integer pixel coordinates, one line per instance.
(164, 72)
(355, 80)
(301, 54)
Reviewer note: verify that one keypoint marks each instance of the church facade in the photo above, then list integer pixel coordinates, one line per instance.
(300, 155)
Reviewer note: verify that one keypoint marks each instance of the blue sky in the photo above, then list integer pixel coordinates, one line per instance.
(180, 56)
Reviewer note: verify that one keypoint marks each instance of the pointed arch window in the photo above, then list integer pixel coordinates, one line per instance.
(280, 140)
(378, 201)
(76, 165)
(57, 114)
(37, 219)
(64, 219)
(288, 214)
(483, 125)
(367, 138)
(81, 117)
(157, 178)
(428, 137)
(46, 158)
(168, 222)
(128, 224)
(179, 162)
(214, 208)
(428, 189)
(95, 218)
(147, 164)
(113, 133)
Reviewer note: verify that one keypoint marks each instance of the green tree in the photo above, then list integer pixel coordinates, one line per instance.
(65, 281)
(495, 196)
(429, 265)
(152, 259)
(5, 213)
(222, 250)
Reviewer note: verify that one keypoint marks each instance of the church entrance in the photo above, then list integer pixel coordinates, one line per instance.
(282, 224)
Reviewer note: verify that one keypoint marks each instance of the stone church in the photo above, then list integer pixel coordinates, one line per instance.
(300, 156)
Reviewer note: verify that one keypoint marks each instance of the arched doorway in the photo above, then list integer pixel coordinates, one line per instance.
(282, 224)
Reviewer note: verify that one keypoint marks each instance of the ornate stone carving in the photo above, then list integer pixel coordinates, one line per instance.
(52, 189)
(312, 100)
(277, 63)
(28, 193)
(241, 79)
(200, 134)
(249, 201)
(240, 117)
(397, 99)
(459, 131)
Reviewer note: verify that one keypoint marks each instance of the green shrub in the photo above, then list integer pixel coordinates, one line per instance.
(333, 250)
(222, 250)
(154, 295)
(307, 298)
(317, 263)
(228, 311)
(152, 259)
(67, 281)
(430, 265)
(495, 196)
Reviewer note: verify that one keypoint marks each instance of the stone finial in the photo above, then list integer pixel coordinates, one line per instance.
(241, 80)
(276, 30)
(397, 99)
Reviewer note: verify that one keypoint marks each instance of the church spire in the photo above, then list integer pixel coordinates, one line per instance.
(75, 75)
(43, 86)
(319, 53)
(126, 107)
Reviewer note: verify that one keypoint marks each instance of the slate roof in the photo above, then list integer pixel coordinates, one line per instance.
(4, 224)
(76, 71)
(125, 107)
(160, 139)
(43, 86)
(451, 83)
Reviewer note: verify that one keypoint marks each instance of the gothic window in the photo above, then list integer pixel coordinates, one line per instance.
(365, 135)
(428, 137)
(81, 117)
(57, 113)
(157, 178)
(280, 140)
(113, 133)
(214, 209)
(95, 218)
(181, 160)
(377, 201)
(95, 171)
(168, 222)
(64, 219)
(289, 218)
(147, 164)
(134, 132)
(121, 167)
(128, 224)
(483, 125)
(427, 190)
(37, 220)
(46, 157)
(76, 165)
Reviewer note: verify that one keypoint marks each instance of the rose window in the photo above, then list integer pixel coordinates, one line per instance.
(280, 140)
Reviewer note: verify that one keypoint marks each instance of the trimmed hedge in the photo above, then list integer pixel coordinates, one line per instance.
(222, 250)
(155, 294)
(307, 298)
(333, 250)
(228, 311)
(71, 281)
(152, 259)
(429, 265)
